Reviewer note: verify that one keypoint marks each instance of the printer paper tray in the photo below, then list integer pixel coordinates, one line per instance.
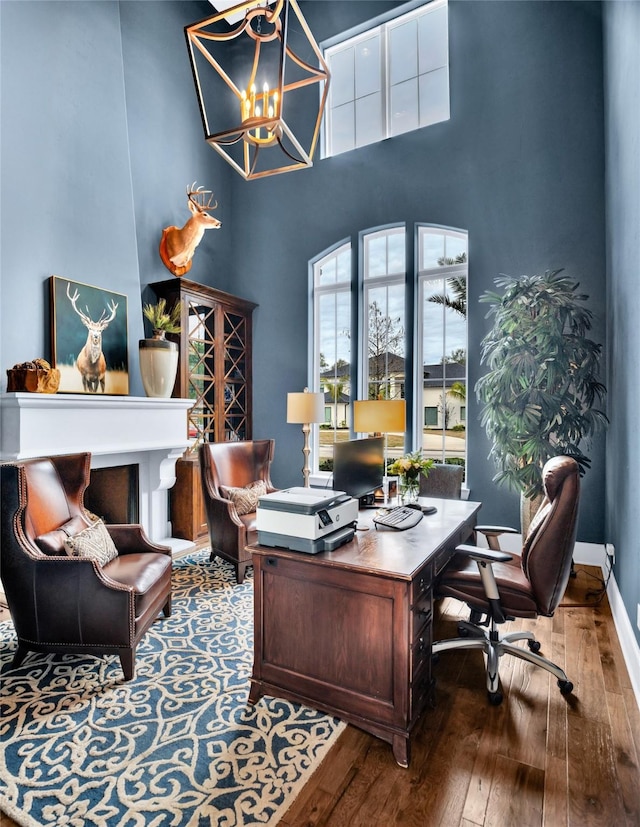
(327, 543)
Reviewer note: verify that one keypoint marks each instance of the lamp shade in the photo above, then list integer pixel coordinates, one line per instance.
(382, 416)
(305, 407)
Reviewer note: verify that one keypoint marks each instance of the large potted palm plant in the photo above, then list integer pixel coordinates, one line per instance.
(541, 392)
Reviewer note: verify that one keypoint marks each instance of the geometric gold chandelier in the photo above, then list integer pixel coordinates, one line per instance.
(261, 83)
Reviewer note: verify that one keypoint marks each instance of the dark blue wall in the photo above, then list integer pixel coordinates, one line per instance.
(101, 134)
(167, 146)
(622, 89)
(520, 165)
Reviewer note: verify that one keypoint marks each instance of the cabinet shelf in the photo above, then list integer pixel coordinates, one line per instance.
(215, 370)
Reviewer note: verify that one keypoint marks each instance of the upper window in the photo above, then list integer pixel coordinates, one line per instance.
(390, 79)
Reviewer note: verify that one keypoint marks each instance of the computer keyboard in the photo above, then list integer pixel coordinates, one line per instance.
(399, 518)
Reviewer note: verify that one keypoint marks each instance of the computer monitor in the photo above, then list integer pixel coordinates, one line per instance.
(358, 467)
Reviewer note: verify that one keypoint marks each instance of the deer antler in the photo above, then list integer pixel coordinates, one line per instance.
(86, 320)
(102, 323)
(196, 196)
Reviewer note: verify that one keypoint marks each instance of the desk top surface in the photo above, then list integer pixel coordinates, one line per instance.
(386, 550)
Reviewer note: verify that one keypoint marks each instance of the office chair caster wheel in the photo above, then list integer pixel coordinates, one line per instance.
(566, 687)
(533, 645)
(495, 698)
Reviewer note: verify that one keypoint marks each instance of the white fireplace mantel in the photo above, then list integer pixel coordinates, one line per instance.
(117, 430)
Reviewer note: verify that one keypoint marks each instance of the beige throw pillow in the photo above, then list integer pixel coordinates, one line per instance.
(245, 499)
(94, 543)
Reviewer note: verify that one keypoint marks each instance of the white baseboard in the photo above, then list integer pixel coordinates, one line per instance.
(626, 636)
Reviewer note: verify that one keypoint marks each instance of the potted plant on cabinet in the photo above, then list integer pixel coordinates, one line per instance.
(541, 393)
(159, 356)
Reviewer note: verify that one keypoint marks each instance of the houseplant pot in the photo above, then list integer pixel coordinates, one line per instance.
(158, 356)
(541, 391)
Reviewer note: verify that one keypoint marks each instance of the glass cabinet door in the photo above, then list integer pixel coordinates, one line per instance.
(201, 378)
(236, 409)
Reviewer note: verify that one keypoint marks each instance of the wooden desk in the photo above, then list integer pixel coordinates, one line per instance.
(348, 632)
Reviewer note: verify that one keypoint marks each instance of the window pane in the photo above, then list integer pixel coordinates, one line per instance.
(326, 272)
(396, 252)
(333, 357)
(375, 256)
(444, 352)
(385, 349)
(432, 249)
(432, 325)
(367, 70)
(342, 76)
(398, 71)
(344, 264)
(403, 107)
(434, 97)
(455, 247)
(342, 129)
(368, 120)
(433, 40)
(403, 52)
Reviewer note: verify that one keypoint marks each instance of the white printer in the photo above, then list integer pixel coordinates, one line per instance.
(306, 519)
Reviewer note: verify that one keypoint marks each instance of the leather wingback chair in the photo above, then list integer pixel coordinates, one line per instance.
(61, 603)
(233, 465)
(443, 480)
(503, 586)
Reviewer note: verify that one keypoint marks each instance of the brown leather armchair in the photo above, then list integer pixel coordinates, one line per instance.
(233, 465)
(503, 587)
(61, 603)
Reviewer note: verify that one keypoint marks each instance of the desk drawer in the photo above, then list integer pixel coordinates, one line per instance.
(421, 681)
(421, 583)
(446, 554)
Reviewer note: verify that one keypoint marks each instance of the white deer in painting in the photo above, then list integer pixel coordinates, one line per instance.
(178, 244)
(91, 362)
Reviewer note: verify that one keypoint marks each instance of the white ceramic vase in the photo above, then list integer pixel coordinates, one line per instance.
(158, 365)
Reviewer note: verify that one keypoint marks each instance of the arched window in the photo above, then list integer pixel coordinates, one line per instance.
(403, 335)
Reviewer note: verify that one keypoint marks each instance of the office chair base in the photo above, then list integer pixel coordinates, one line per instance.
(494, 647)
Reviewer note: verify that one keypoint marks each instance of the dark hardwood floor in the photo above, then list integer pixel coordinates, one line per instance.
(537, 760)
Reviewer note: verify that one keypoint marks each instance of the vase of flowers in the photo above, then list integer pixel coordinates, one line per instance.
(408, 470)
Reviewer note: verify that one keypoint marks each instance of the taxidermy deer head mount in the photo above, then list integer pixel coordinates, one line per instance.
(178, 245)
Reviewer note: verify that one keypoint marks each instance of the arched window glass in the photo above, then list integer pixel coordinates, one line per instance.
(362, 352)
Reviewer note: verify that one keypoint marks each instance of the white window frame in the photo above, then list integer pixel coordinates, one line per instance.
(423, 275)
(382, 28)
(369, 283)
(359, 286)
(317, 291)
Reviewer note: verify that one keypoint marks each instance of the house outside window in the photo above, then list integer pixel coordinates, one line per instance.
(389, 79)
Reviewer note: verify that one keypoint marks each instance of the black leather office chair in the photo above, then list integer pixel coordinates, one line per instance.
(443, 480)
(503, 586)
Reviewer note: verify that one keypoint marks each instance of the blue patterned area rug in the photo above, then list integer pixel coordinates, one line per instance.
(179, 746)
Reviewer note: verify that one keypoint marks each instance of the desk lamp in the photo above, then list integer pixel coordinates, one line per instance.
(380, 416)
(303, 409)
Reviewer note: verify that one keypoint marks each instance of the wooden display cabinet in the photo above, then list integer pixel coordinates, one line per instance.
(214, 369)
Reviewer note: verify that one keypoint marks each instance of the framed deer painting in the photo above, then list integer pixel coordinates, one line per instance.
(89, 338)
